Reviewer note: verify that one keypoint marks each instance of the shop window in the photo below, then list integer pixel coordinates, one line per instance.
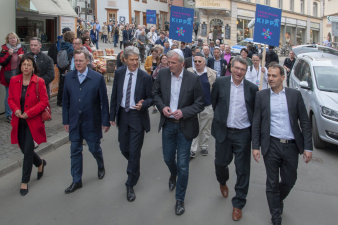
(289, 36)
(292, 5)
(243, 31)
(315, 9)
(300, 36)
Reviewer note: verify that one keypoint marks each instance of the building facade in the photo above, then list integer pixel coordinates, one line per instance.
(301, 19)
(132, 11)
(330, 9)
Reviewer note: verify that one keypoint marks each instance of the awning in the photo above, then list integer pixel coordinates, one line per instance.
(54, 7)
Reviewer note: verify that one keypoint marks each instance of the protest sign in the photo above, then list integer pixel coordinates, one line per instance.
(181, 23)
(151, 16)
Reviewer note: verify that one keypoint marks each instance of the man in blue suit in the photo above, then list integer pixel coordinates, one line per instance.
(217, 63)
(127, 34)
(130, 99)
(85, 109)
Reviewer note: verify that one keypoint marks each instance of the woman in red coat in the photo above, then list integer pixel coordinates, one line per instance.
(27, 125)
(9, 60)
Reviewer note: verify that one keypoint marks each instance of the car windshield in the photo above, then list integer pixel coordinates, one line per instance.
(326, 78)
(301, 50)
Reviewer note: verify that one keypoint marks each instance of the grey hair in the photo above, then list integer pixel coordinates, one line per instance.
(35, 39)
(85, 31)
(171, 53)
(130, 50)
(204, 59)
(258, 55)
(78, 52)
(240, 60)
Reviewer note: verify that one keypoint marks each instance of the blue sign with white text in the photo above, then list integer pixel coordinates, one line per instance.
(151, 16)
(267, 25)
(181, 23)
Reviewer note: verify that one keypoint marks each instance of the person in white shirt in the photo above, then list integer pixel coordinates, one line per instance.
(254, 73)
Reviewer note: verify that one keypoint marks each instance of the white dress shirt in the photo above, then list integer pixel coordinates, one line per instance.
(238, 114)
(280, 126)
(132, 91)
(254, 76)
(175, 91)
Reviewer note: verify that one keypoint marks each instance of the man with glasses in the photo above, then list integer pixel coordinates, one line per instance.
(288, 65)
(207, 77)
(233, 99)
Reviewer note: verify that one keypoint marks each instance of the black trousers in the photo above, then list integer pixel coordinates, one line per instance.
(238, 144)
(131, 136)
(141, 49)
(121, 44)
(281, 159)
(27, 148)
(61, 85)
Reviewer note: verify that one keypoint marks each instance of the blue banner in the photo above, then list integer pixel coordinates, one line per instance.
(267, 25)
(151, 16)
(181, 23)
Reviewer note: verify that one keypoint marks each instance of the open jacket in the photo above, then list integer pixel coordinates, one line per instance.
(33, 107)
(211, 75)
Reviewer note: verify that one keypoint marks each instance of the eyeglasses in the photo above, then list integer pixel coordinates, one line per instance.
(197, 61)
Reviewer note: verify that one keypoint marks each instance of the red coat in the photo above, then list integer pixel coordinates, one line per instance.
(33, 108)
(5, 62)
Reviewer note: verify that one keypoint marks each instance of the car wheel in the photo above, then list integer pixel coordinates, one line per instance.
(317, 142)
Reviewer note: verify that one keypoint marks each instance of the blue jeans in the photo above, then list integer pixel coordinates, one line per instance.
(104, 38)
(77, 161)
(8, 110)
(116, 38)
(96, 42)
(172, 140)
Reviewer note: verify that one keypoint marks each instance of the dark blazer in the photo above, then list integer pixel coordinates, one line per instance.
(220, 99)
(211, 63)
(298, 116)
(125, 35)
(187, 52)
(143, 90)
(94, 37)
(85, 106)
(188, 62)
(191, 100)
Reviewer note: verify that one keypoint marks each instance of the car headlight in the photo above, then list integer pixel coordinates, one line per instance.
(329, 113)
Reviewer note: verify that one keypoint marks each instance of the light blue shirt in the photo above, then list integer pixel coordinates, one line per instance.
(217, 67)
(72, 64)
(82, 76)
(98, 26)
(132, 90)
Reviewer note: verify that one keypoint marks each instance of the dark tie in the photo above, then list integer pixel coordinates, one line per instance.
(127, 105)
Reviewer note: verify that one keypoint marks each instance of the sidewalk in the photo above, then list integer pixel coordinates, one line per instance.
(11, 156)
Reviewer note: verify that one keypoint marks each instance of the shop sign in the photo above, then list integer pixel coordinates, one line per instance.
(246, 13)
(301, 23)
(332, 18)
(267, 25)
(291, 21)
(151, 16)
(220, 4)
(315, 25)
(68, 22)
(335, 29)
(181, 23)
(227, 32)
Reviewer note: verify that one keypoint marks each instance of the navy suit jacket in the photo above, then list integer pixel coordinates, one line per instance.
(93, 36)
(125, 35)
(211, 63)
(85, 106)
(143, 90)
(187, 52)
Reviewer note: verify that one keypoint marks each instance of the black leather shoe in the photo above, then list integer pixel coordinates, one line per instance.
(101, 173)
(40, 174)
(73, 187)
(23, 192)
(130, 194)
(276, 223)
(179, 207)
(172, 183)
(281, 207)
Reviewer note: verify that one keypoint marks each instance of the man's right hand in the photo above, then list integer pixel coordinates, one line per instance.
(167, 111)
(66, 128)
(113, 123)
(256, 154)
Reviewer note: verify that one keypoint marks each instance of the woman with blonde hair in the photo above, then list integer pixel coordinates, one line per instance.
(160, 49)
(121, 36)
(9, 61)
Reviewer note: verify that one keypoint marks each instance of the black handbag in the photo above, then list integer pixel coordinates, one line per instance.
(9, 75)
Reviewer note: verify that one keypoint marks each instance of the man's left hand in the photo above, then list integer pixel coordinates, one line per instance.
(178, 114)
(105, 129)
(263, 70)
(307, 156)
(139, 105)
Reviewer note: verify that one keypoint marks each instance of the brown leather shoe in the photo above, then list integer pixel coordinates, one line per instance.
(236, 214)
(224, 190)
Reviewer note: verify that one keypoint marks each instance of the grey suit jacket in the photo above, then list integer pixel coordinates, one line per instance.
(297, 113)
(220, 99)
(190, 102)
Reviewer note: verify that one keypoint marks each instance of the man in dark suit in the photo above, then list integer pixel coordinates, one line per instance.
(178, 95)
(271, 56)
(85, 109)
(126, 34)
(217, 63)
(233, 99)
(130, 99)
(189, 62)
(279, 112)
(186, 50)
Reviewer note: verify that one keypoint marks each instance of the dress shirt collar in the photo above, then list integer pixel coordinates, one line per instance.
(181, 74)
(227, 54)
(199, 74)
(217, 60)
(134, 73)
(272, 92)
(84, 73)
(235, 84)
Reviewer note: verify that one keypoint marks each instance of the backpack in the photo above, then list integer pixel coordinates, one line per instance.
(62, 59)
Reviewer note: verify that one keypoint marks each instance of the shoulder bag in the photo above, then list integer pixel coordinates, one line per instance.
(46, 113)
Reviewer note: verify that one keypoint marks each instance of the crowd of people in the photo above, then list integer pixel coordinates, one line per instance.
(198, 88)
